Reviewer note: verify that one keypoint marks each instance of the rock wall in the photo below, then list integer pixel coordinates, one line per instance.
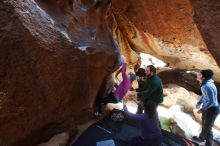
(166, 30)
(54, 56)
(182, 78)
(207, 18)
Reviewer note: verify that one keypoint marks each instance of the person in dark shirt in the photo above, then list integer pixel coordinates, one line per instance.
(152, 88)
(148, 121)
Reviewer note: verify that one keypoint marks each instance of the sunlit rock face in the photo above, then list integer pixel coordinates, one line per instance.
(174, 94)
(166, 30)
(54, 56)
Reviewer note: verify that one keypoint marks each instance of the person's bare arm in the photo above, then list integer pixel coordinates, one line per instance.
(118, 72)
(131, 95)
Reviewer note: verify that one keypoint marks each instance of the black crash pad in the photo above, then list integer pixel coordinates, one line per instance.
(118, 129)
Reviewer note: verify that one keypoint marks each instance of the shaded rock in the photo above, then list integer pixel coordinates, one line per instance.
(181, 78)
(207, 16)
(54, 56)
